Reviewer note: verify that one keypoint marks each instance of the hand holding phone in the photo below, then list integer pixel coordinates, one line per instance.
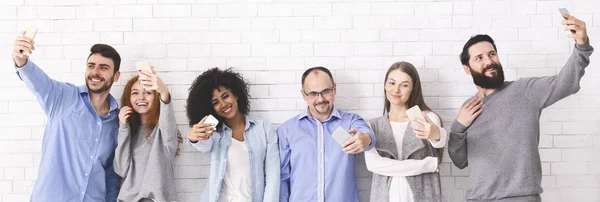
(415, 113)
(563, 12)
(341, 136)
(23, 46)
(211, 120)
(29, 33)
(201, 131)
(144, 66)
(577, 27)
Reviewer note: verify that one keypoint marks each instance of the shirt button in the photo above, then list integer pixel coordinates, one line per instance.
(98, 123)
(96, 140)
(82, 193)
(86, 174)
(91, 157)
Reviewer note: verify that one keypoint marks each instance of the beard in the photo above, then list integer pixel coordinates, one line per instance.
(322, 111)
(102, 88)
(483, 81)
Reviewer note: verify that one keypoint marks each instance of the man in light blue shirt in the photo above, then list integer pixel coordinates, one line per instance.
(81, 129)
(314, 167)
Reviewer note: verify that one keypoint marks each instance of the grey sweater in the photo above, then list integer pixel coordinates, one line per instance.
(146, 165)
(501, 145)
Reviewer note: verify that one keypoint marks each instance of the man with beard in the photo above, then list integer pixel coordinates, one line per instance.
(81, 129)
(314, 167)
(497, 132)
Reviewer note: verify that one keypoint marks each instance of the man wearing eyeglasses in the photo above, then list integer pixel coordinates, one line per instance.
(314, 167)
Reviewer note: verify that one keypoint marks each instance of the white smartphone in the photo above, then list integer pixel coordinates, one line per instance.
(341, 135)
(415, 113)
(565, 11)
(30, 33)
(211, 120)
(144, 66)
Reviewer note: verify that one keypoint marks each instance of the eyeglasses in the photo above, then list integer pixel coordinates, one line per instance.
(314, 95)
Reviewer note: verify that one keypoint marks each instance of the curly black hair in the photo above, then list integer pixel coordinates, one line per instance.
(199, 101)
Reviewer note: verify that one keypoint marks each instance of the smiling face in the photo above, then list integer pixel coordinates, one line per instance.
(319, 93)
(484, 66)
(398, 87)
(224, 103)
(141, 99)
(100, 74)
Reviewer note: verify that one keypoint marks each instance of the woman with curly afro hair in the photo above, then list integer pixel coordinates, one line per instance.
(244, 163)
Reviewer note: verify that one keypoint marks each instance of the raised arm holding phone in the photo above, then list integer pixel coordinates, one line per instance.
(497, 131)
(148, 140)
(81, 129)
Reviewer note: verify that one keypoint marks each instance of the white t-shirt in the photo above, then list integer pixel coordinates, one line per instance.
(236, 181)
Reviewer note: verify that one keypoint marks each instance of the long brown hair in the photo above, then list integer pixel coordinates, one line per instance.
(153, 114)
(416, 95)
(135, 121)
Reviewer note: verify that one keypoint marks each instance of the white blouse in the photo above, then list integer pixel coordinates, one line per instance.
(400, 190)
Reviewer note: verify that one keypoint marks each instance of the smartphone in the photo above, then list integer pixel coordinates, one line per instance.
(144, 66)
(211, 120)
(415, 113)
(565, 11)
(341, 135)
(30, 33)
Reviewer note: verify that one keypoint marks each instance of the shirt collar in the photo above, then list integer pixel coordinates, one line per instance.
(249, 121)
(84, 91)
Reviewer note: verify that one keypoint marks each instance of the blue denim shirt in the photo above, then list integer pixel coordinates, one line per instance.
(78, 146)
(313, 165)
(263, 155)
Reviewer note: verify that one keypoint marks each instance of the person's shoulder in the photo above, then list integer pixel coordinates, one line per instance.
(432, 115)
(71, 93)
(378, 122)
(257, 122)
(346, 114)
(378, 119)
(468, 99)
(290, 122)
(519, 85)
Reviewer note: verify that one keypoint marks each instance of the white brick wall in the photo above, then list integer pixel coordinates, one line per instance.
(271, 42)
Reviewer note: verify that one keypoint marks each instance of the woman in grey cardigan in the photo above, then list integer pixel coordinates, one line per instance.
(148, 141)
(404, 163)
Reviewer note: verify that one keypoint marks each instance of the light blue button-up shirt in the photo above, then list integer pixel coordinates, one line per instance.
(263, 155)
(78, 146)
(313, 165)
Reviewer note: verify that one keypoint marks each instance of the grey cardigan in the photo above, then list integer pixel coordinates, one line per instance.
(425, 187)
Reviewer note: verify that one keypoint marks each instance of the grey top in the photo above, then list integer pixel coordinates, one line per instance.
(501, 145)
(146, 164)
(426, 186)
